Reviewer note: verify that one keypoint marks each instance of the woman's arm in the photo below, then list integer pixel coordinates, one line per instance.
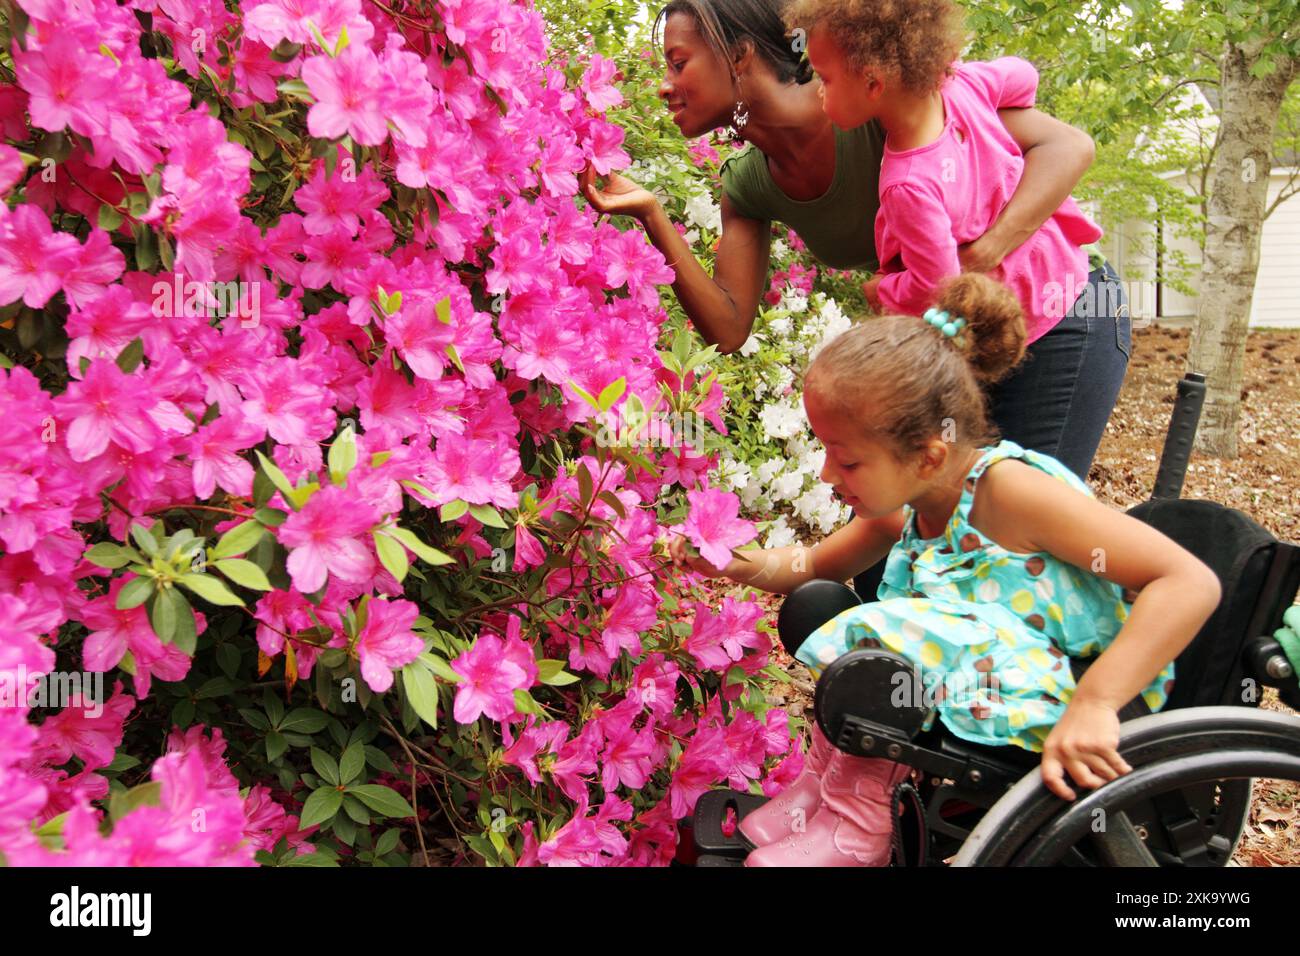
(722, 306)
(1056, 156)
(1028, 510)
(841, 556)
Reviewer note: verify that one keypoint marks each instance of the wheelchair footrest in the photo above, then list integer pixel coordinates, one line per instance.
(711, 812)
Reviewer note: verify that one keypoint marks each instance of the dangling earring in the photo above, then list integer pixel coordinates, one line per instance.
(739, 117)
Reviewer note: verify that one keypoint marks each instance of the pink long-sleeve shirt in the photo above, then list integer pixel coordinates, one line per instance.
(936, 197)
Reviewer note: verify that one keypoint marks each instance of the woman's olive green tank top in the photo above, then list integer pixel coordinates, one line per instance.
(839, 227)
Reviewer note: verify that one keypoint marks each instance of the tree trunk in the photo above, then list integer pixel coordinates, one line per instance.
(1248, 116)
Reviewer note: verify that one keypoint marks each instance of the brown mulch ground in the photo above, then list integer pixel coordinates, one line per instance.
(1263, 481)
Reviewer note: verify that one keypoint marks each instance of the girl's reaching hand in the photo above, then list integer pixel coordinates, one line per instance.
(677, 548)
(1085, 742)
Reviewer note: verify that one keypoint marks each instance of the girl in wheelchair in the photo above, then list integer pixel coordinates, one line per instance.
(1000, 566)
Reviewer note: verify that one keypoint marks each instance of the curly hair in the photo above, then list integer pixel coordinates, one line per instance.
(916, 39)
(917, 382)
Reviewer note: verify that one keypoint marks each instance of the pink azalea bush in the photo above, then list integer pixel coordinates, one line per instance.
(304, 338)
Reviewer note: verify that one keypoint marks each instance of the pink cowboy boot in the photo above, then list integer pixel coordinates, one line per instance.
(797, 802)
(853, 827)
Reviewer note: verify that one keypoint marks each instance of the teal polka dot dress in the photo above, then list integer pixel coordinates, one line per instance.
(989, 629)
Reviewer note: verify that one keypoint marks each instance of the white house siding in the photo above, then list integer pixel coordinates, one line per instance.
(1276, 303)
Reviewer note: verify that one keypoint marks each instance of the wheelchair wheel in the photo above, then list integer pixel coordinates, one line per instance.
(1184, 803)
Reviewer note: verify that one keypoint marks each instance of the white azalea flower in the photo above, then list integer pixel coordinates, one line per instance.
(704, 212)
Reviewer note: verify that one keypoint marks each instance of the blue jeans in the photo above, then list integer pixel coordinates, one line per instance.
(1058, 400)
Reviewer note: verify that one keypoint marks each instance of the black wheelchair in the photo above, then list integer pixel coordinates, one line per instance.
(1186, 800)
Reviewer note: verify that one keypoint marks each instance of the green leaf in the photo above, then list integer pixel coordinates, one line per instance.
(553, 673)
(422, 692)
(426, 553)
(352, 763)
(440, 667)
(129, 359)
(296, 89)
(244, 573)
(611, 499)
(387, 842)
(525, 703)
(278, 478)
(585, 485)
(111, 556)
(271, 517)
(611, 393)
(355, 809)
(301, 495)
(276, 745)
(343, 456)
(320, 806)
(124, 801)
(319, 858)
(379, 760)
(304, 720)
(186, 636)
(211, 589)
(451, 510)
(325, 765)
(488, 515)
(455, 357)
(443, 311)
(164, 614)
(391, 555)
(144, 540)
(383, 800)
(134, 593)
(110, 219)
(585, 395)
(214, 687)
(238, 540)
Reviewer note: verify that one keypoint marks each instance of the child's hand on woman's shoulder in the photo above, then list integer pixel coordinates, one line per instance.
(1084, 743)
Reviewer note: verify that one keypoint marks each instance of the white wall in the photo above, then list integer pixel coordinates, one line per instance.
(1276, 302)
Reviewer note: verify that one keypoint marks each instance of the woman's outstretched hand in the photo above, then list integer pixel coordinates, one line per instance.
(619, 197)
(1084, 742)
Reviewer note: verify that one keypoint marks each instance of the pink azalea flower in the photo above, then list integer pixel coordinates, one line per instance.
(11, 168)
(598, 84)
(74, 732)
(335, 202)
(387, 643)
(109, 406)
(66, 85)
(472, 471)
(326, 537)
(213, 451)
(489, 679)
(535, 739)
(713, 525)
(30, 264)
(702, 764)
(113, 632)
(719, 640)
(293, 409)
(345, 88)
(528, 550)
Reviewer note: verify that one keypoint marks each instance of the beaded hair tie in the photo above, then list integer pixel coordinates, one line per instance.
(947, 324)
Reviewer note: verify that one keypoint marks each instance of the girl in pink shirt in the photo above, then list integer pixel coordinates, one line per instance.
(949, 166)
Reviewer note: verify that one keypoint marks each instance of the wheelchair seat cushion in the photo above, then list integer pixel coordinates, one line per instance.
(990, 630)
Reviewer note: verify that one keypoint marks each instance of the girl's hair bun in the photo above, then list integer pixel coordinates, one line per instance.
(995, 324)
